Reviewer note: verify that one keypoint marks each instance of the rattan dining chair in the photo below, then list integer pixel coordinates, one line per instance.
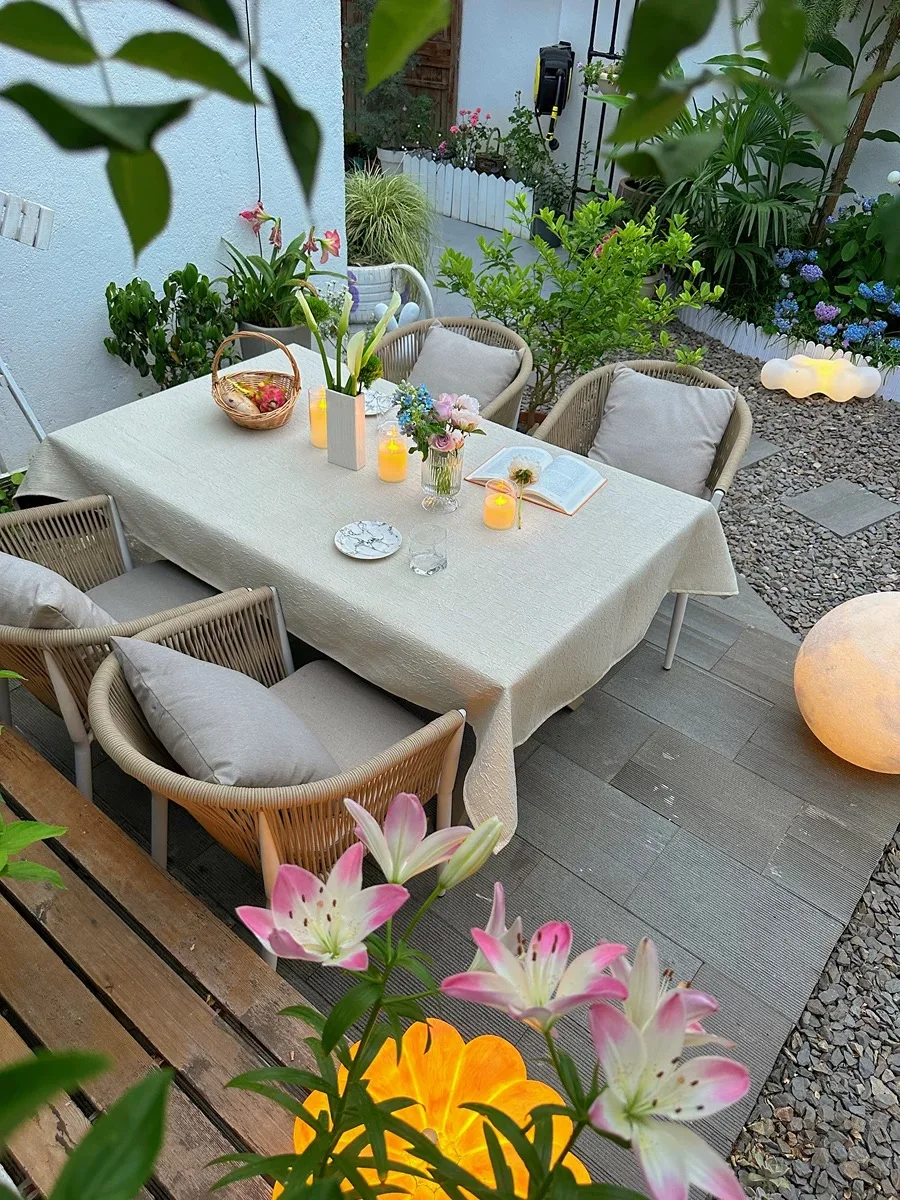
(401, 348)
(380, 748)
(575, 418)
(83, 541)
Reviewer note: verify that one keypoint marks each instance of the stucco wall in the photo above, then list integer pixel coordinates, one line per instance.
(52, 306)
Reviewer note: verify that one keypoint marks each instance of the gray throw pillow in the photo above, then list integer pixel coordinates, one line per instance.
(450, 362)
(34, 597)
(219, 725)
(661, 430)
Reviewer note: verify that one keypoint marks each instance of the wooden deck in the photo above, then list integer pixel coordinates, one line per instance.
(125, 962)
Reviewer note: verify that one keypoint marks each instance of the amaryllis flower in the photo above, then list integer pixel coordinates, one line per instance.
(649, 988)
(310, 246)
(275, 234)
(331, 244)
(324, 922)
(256, 216)
(511, 938)
(646, 1080)
(444, 405)
(401, 849)
(536, 986)
(454, 129)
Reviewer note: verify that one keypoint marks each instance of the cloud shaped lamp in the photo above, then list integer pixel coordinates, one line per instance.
(838, 378)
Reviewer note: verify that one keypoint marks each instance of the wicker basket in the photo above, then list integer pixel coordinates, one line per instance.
(223, 386)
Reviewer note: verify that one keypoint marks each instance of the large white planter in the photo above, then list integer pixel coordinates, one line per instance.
(391, 161)
(470, 195)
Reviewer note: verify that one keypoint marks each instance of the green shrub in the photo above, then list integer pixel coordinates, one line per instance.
(389, 219)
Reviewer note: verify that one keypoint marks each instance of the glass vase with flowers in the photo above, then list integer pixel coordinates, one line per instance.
(438, 429)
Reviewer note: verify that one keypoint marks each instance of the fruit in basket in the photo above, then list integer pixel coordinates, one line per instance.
(270, 397)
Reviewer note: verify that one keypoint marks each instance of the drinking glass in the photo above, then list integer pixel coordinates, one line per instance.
(428, 549)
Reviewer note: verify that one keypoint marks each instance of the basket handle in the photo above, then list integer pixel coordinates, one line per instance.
(265, 337)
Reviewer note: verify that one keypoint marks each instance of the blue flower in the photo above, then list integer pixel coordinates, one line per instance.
(894, 309)
(783, 257)
(868, 203)
(812, 256)
(894, 343)
(866, 292)
(877, 327)
(798, 256)
(882, 293)
(788, 307)
(826, 331)
(855, 332)
(832, 220)
(810, 273)
(783, 324)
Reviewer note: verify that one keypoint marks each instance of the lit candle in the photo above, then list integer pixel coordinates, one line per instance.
(499, 504)
(393, 453)
(318, 422)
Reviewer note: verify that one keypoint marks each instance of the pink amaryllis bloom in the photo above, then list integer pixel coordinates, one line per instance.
(310, 246)
(510, 937)
(275, 234)
(454, 129)
(648, 988)
(331, 244)
(537, 986)
(647, 1080)
(324, 922)
(401, 849)
(256, 216)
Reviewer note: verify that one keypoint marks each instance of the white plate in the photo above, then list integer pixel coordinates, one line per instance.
(377, 403)
(368, 539)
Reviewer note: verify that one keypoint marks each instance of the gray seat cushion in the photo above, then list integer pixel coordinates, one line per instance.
(353, 720)
(148, 589)
(34, 597)
(219, 725)
(451, 362)
(661, 430)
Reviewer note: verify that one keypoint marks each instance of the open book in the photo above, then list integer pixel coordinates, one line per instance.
(565, 484)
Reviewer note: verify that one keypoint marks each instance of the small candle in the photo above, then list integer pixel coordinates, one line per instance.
(318, 420)
(393, 453)
(499, 504)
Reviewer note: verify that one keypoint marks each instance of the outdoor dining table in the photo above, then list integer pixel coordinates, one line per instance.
(520, 623)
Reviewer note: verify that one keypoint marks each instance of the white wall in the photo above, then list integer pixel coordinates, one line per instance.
(52, 306)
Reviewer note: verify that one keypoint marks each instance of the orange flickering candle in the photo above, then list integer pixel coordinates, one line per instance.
(499, 504)
(393, 453)
(318, 420)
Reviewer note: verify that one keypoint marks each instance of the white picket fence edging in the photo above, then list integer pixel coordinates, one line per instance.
(470, 195)
(749, 339)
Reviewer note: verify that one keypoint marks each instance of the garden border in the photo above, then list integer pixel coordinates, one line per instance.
(745, 338)
(467, 195)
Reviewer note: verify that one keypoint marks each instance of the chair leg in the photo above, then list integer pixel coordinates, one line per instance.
(5, 703)
(84, 772)
(269, 861)
(159, 830)
(681, 599)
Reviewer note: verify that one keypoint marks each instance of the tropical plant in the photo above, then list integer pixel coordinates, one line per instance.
(576, 305)
(389, 219)
(172, 337)
(263, 291)
(9, 485)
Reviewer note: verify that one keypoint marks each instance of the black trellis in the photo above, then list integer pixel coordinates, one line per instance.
(609, 54)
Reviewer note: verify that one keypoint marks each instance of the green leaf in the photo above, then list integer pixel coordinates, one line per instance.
(640, 164)
(833, 51)
(87, 126)
(874, 81)
(806, 158)
(682, 157)
(824, 108)
(347, 1012)
(503, 1176)
(116, 1158)
(660, 30)
(881, 135)
(26, 1085)
(300, 131)
(397, 28)
(30, 872)
(181, 56)
(16, 835)
(888, 221)
(303, 1012)
(290, 1075)
(849, 250)
(44, 32)
(608, 1191)
(613, 99)
(782, 29)
(650, 114)
(140, 184)
(213, 12)
(738, 60)
(504, 1124)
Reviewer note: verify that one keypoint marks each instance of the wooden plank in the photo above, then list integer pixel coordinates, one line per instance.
(210, 952)
(482, 201)
(183, 1030)
(446, 202)
(63, 1013)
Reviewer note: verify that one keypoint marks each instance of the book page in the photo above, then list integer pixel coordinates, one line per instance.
(497, 466)
(566, 483)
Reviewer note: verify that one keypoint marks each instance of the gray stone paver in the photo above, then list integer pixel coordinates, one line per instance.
(842, 506)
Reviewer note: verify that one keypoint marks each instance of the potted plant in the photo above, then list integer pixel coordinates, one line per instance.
(172, 337)
(389, 220)
(262, 291)
(529, 162)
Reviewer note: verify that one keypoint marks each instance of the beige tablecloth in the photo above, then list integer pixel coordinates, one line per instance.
(520, 624)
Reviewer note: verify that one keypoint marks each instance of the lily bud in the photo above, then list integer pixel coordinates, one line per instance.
(307, 311)
(472, 854)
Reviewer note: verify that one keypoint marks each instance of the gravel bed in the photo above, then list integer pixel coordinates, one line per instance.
(801, 569)
(828, 1120)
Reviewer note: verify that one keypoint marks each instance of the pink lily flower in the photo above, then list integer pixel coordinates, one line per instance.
(325, 922)
(646, 1080)
(648, 988)
(331, 244)
(402, 850)
(511, 938)
(256, 216)
(537, 986)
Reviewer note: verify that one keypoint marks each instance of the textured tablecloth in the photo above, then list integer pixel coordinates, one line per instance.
(518, 625)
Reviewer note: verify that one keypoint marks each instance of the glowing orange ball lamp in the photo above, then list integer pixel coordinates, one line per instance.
(847, 681)
(449, 1073)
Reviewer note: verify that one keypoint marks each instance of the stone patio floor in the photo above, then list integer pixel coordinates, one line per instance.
(693, 806)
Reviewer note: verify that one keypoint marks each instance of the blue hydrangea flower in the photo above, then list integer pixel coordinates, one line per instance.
(810, 273)
(783, 324)
(826, 331)
(788, 307)
(894, 309)
(855, 332)
(877, 327)
(868, 203)
(882, 293)
(832, 220)
(812, 256)
(798, 256)
(894, 343)
(865, 291)
(783, 257)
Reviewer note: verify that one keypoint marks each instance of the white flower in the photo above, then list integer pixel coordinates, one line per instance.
(524, 470)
